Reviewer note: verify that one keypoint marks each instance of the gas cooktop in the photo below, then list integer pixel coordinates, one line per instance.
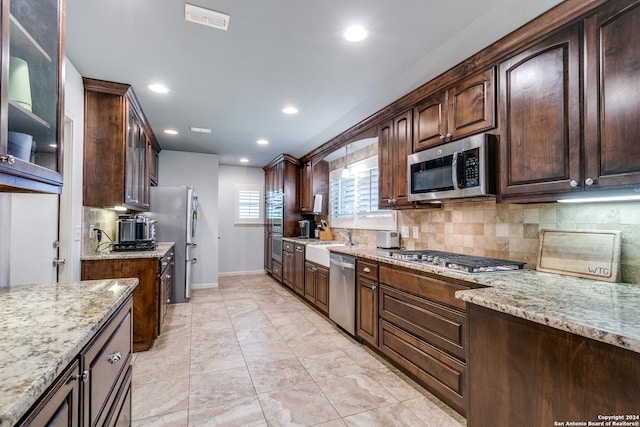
(460, 262)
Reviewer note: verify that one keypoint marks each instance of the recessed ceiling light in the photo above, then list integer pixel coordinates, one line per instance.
(290, 110)
(244, 160)
(200, 130)
(157, 87)
(171, 131)
(355, 33)
(262, 141)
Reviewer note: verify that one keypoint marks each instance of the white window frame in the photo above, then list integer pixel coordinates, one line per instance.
(355, 222)
(259, 204)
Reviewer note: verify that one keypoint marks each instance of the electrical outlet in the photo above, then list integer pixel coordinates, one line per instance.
(416, 232)
(404, 231)
(92, 227)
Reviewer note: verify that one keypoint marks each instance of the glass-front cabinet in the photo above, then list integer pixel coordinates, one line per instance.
(31, 95)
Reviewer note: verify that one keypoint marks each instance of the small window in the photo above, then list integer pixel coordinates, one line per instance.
(249, 204)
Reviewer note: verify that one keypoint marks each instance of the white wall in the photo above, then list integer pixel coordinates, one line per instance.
(201, 172)
(243, 244)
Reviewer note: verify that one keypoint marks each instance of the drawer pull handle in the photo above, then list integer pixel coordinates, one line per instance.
(366, 270)
(373, 288)
(113, 358)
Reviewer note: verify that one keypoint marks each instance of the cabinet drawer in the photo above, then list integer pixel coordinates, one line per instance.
(442, 374)
(367, 269)
(166, 260)
(423, 286)
(433, 323)
(107, 359)
(121, 412)
(276, 270)
(287, 246)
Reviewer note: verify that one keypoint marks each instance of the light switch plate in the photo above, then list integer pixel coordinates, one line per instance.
(416, 232)
(77, 233)
(404, 231)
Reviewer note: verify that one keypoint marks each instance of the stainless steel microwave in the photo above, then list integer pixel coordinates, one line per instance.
(456, 170)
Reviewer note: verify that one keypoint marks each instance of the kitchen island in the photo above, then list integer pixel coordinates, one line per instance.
(44, 328)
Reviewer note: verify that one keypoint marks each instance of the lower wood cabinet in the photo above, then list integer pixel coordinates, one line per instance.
(367, 301)
(316, 285)
(298, 268)
(288, 264)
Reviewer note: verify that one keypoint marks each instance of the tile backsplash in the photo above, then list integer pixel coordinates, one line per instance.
(103, 219)
(511, 231)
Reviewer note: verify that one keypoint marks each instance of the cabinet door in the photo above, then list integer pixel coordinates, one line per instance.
(385, 164)
(288, 268)
(322, 289)
(471, 105)
(367, 310)
(430, 122)
(401, 148)
(298, 281)
(310, 282)
(131, 159)
(540, 116)
(306, 187)
(612, 151)
(61, 406)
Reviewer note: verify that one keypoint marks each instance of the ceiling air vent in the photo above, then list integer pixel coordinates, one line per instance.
(206, 17)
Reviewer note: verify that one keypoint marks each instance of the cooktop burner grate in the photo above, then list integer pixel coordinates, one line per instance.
(141, 245)
(460, 262)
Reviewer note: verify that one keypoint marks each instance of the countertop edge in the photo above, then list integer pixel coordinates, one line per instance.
(161, 250)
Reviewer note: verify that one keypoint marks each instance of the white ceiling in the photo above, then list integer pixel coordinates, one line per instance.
(276, 53)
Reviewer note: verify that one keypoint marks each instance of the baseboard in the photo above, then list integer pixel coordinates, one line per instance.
(204, 286)
(243, 273)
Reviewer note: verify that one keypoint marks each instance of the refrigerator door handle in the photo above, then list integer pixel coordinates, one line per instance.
(192, 260)
(193, 245)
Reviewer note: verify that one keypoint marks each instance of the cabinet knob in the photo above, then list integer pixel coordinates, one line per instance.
(442, 137)
(573, 183)
(9, 159)
(373, 288)
(366, 270)
(588, 181)
(448, 136)
(84, 376)
(114, 357)
(168, 300)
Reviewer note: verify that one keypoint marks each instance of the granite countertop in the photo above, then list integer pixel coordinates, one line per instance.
(310, 241)
(161, 249)
(603, 311)
(43, 328)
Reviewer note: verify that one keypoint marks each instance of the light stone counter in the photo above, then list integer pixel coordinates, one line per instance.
(43, 328)
(603, 311)
(161, 249)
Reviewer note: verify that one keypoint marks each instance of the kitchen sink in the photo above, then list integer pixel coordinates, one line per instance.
(320, 253)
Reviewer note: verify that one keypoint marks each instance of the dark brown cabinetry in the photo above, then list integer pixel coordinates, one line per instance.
(32, 114)
(367, 301)
(150, 297)
(422, 328)
(314, 180)
(167, 269)
(540, 117)
(394, 145)
(298, 268)
(612, 151)
(117, 147)
(466, 108)
(288, 264)
(316, 285)
(542, 375)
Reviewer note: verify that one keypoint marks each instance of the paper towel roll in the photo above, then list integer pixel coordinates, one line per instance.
(317, 204)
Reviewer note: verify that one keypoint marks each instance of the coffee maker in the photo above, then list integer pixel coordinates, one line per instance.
(307, 228)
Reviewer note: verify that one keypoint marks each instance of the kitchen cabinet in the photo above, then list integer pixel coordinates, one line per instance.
(154, 161)
(314, 179)
(32, 96)
(150, 298)
(316, 285)
(422, 328)
(540, 141)
(96, 387)
(367, 301)
(612, 152)
(464, 109)
(288, 264)
(542, 375)
(394, 145)
(268, 260)
(298, 268)
(117, 145)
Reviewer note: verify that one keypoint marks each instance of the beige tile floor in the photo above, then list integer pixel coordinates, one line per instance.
(249, 353)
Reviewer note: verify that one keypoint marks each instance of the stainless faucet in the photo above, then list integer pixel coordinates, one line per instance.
(347, 236)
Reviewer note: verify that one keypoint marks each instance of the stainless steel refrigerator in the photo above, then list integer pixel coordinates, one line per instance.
(175, 210)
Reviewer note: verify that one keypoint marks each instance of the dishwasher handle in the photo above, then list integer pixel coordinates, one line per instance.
(343, 264)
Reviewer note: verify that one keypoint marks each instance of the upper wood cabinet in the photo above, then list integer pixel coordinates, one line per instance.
(540, 117)
(32, 95)
(612, 97)
(394, 145)
(464, 109)
(117, 147)
(314, 179)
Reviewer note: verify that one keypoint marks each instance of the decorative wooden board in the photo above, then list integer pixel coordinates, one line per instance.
(593, 254)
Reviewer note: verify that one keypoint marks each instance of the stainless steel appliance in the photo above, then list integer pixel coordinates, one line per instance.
(126, 229)
(176, 211)
(342, 291)
(135, 228)
(307, 228)
(460, 262)
(276, 247)
(387, 239)
(455, 170)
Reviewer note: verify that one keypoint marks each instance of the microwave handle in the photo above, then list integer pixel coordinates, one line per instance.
(454, 169)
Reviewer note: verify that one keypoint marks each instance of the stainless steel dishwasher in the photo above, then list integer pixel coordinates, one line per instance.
(342, 291)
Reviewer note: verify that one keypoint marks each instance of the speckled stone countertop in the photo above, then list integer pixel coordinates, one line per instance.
(306, 241)
(43, 328)
(603, 311)
(161, 249)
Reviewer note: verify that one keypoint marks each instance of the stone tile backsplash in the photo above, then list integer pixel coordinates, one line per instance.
(103, 219)
(511, 231)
